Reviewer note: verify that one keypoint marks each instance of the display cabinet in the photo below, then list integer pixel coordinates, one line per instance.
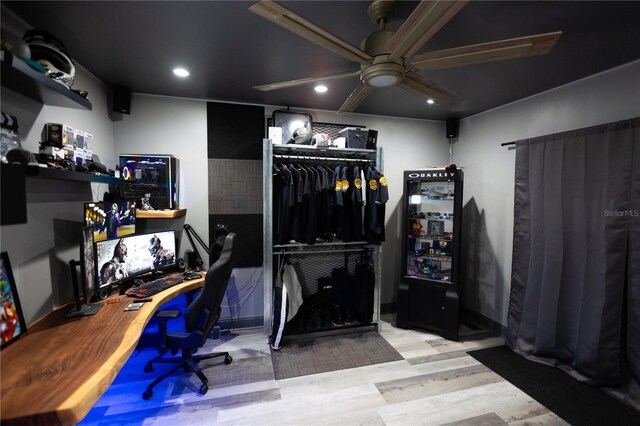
(429, 281)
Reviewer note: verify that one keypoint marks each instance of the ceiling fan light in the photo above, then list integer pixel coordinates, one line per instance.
(382, 73)
(431, 101)
(383, 80)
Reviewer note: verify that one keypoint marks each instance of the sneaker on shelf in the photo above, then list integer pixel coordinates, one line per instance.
(348, 317)
(327, 316)
(337, 315)
(317, 318)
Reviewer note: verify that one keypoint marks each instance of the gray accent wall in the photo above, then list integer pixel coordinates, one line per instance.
(235, 186)
(489, 171)
(39, 251)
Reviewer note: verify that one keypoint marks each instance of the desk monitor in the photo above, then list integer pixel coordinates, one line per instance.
(116, 220)
(12, 324)
(125, 258)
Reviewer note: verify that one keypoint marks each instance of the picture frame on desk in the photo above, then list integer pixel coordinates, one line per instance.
(12, 323)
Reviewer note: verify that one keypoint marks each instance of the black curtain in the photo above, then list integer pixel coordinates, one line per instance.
(575, 288)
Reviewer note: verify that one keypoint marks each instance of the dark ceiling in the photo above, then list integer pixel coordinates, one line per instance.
(229, 49)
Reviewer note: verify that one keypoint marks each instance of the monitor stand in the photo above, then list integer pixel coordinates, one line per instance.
(85, 310)
(80, 309)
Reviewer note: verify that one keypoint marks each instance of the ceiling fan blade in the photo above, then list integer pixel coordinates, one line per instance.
(418, 85)
(303, 81)
(355, 98)
(298, 25)
(520, 47)
(426, 20)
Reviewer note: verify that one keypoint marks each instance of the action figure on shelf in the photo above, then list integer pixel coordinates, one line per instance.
(161, 256)
(146, 205)
(114, 270)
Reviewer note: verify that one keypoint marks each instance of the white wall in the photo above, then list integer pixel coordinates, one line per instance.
(164, 125)
(489, 170)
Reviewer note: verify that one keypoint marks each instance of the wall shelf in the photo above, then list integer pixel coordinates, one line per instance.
(21, 78)
(50, 173)
(160, 214)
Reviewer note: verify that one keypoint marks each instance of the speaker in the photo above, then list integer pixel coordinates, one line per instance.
(193, 261)
(121, 100)
(453, 125)
(181, 265)
(103, 294)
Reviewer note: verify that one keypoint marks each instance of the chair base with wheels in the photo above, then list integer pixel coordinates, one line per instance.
(189, 362)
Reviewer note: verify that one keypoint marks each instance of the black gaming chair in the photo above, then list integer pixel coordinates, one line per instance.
(200, 317)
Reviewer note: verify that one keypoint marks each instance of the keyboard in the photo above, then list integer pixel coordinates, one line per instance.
(153, 287)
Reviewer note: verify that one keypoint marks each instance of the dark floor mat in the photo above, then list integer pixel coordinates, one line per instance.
(331, 353)
(574, 401)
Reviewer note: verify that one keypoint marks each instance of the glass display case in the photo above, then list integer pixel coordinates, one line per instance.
(428, 289)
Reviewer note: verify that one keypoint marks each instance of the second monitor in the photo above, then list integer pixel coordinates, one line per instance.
(122, 259)
(110, 220)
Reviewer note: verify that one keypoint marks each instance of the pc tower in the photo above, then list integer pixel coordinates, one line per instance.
(152, 174)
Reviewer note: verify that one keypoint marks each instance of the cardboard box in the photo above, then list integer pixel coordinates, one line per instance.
(275, 134)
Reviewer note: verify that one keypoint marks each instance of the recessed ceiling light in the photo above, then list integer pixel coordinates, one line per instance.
(181, 72)
(320, 88)
(430, 101)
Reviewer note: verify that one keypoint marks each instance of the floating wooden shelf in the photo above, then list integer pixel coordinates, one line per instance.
(160, 214)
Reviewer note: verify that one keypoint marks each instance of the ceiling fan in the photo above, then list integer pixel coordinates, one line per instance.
(386, 57)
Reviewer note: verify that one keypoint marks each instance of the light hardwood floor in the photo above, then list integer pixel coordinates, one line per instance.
(436, 384)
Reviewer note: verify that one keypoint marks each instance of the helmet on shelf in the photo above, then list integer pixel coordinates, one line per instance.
(302, 135)
(49, 52)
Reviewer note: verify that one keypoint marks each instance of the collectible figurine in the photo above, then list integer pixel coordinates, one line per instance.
(145, 202)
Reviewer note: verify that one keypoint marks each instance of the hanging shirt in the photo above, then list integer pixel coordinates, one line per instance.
(298, 198)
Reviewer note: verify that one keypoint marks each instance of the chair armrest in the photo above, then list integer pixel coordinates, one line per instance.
(167, 315)
(163, 317)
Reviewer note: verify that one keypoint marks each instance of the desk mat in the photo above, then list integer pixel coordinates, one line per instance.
(331, 353)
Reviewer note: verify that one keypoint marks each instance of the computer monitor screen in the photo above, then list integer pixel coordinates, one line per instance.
(128, 257)
(115, 220)
(12, 323)
(88, 264)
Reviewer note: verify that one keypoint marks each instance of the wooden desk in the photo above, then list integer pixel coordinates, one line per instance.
(60, 368)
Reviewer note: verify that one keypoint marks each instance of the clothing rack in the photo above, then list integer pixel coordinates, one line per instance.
(336, 251)
(330, 255)
(332, 159)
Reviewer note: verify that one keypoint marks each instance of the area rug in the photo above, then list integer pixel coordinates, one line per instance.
(575, 402)
(331, 353)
